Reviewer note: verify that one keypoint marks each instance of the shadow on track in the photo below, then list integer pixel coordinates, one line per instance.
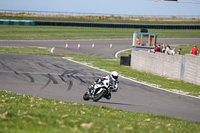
(125, 104)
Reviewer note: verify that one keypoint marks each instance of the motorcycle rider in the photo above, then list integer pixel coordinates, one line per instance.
(112, 76)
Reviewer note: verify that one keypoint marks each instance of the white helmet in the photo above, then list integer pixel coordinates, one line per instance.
(114, 75)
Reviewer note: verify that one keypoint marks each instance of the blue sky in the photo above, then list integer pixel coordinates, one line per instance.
(129, 7)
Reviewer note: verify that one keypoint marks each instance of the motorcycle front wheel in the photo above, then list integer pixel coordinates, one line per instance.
(86, 96)
(99, 95)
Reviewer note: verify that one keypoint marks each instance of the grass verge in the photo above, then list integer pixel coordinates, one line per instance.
(36, 115)
(13, 32)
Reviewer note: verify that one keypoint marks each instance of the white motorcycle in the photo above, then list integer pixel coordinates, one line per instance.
(100, 90)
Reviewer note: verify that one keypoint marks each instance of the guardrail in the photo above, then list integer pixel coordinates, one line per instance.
(17, 22)
(102, 25)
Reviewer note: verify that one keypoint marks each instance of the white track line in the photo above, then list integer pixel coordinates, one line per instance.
(52, 49)
(116, 55)
(131, 79)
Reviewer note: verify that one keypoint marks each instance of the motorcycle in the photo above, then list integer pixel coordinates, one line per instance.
(99, 90)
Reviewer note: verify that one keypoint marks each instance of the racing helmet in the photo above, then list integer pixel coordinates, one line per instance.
(114, 75)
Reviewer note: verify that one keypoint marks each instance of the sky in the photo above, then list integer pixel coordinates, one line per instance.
(126, 7)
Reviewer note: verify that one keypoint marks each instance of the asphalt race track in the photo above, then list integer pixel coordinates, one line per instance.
(59, 78)
(102, 47)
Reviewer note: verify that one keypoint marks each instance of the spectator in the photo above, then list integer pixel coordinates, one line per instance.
(173, 51)
(179, 51)
(163, 48)
(168, 50)
(194, 50)
(159, 48)
(156, 49)
(138, 41)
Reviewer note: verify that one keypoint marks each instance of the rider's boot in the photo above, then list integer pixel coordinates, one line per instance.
(108, 96)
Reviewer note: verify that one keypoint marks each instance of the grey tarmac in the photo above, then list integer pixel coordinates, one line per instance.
(102, 46)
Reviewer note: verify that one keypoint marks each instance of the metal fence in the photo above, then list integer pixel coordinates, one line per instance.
(29, 13)
(136, 26)
(50, 18)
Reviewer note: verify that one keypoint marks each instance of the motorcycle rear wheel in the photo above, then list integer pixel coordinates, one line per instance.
(99, 95)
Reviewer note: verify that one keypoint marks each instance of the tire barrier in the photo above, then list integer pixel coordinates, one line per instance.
(136, 26)
(17, 22)
(125, 60)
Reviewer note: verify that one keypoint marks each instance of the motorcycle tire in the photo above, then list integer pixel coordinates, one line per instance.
(86, 96)
(99, 95)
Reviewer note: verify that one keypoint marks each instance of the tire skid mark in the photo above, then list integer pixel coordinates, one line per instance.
(32, 80)
(48, 82)
(66, 77)
(51, 78)
(62, 78)
(70, 85)
(82, 81)
(69, 82)
(68, 73)
(17, 75)
(29, 64)
(57, 66)
(7, 67)
(71, 74)
(42, 65)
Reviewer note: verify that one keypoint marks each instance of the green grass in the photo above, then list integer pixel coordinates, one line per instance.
(36, 115)
(9, 32)
(25, 50)
(185, 48)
